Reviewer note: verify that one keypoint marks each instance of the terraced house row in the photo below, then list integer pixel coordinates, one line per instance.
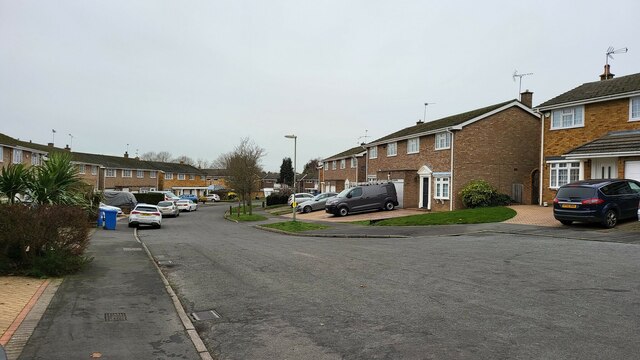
(589, 132)
(106, 172)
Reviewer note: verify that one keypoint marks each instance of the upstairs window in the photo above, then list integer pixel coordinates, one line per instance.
(353, 163)
(443, 140)
(35, 158)
(333, 165)
(1, 154)
(152, 174)
(392, 149)
(94, 170)
(81, 169)
(110, 173)
(192, 177)
(343, 164)
(326, 166)
(373, 152)
(181, 176)
(168, 176)
(567, 118)
(17, 156)
(126, 172)
(140, 174)
(413, 145)
(634, 109)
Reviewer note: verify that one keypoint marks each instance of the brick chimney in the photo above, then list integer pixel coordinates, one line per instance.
(67, 148)
(50, 144)
(526, 98)
(126, 154)
(606, 75)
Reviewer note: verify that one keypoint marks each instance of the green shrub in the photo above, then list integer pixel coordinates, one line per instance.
(277, 199)
(45, 240)
(479, 193)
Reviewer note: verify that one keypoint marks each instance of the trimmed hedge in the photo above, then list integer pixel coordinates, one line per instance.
(277, 199)
(149, 198)
(45, 240)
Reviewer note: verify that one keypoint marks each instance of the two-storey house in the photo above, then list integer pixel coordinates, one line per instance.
(431, 162)
(14, 151)
(591, 132)
(181, 178)
(343, 170)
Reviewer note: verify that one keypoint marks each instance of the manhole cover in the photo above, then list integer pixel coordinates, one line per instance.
(115, 317)
(205, 315)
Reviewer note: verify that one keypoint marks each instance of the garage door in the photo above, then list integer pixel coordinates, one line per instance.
(632, 170)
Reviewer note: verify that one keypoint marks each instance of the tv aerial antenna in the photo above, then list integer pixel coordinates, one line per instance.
(425, 110)
(516, 75)
(611, 51)
(365, 137)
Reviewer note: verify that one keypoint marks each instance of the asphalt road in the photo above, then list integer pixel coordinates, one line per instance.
(479, 295)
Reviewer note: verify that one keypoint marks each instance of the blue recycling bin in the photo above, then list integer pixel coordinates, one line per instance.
(100, 218)
(110, 217)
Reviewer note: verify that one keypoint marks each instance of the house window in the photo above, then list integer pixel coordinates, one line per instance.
(1, 154)
(110, 173)
(333, 165)
(442, 188)
(343, 163)
(81, 169)
(140, 174)
(168, 176)
(94, 170)
(563, 173)
(126, 172)
(371, 178)
(353, 162)
(202, 177)
(443, 140)
(326, 166)
(567, 118)
(35, 158)
(373, 152)
(392, 149)
(192, 177)
(152, 174)
(17, 156)
(413, 145)
(634, 109)
(181, 176)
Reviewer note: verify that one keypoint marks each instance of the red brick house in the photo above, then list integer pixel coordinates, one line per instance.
(180, 178)
(343, 170)
(431, 162)
(14, 151)
(591, 132)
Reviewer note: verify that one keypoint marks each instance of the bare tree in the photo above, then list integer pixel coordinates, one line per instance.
(163, 156)
(202, 163)
(184, 159)
(244, 169)
(149, 156)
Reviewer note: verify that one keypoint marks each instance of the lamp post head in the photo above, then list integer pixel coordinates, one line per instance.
(290, 136)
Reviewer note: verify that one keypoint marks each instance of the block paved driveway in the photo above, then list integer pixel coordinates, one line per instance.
(468, 295)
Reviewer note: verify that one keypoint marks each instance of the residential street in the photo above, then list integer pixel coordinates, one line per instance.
(473, 295)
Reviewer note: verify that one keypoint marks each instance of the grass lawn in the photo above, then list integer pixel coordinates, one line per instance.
(246, 217)
(466, 216)
(295, 226)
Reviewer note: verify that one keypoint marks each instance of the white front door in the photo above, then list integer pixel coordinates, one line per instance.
(604, 168)
(425, 187)
(632, 170)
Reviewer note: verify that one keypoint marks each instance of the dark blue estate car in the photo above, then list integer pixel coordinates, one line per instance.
(604, 201)
(192, 197)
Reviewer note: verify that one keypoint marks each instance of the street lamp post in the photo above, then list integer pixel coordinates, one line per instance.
(295, 145)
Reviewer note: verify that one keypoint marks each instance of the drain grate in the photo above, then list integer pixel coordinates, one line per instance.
(115, 317)
(205, 315)
(131, 249)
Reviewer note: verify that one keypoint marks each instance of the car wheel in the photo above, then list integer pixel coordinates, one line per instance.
(610, 219)
(131, 225)
(389, 206)
(306, 209)
(566, 222)
(343, 211)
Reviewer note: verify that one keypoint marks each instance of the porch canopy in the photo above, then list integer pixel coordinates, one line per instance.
(614, 144)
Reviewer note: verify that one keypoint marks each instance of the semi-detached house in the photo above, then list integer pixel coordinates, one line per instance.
(344, 169)
(591, 132)
(431, 162)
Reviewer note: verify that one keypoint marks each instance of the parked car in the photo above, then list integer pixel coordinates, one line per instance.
(603, 201)
(192, 197)
(363, 198)
(300, 198)
(316, 203)
(186, 205)
(168, 208)
(168, 195)
(145, 214)
(104, 206)
(213, 197)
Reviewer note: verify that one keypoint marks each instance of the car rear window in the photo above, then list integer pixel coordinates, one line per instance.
(165, 203)
(572, 192)
(146, 208)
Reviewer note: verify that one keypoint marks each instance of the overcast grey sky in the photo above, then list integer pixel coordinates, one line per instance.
(195, 77)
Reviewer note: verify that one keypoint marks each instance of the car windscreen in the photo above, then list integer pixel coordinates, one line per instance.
(576, 192)
(165, 203)
(146, 208)
(343, 193)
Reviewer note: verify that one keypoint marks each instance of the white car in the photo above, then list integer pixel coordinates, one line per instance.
(168, 208)
(145, 214)
(186, 205)
(213, 197)
(300, 198)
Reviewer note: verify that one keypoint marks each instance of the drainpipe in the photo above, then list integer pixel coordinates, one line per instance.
(451, 192)
(541, 185)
